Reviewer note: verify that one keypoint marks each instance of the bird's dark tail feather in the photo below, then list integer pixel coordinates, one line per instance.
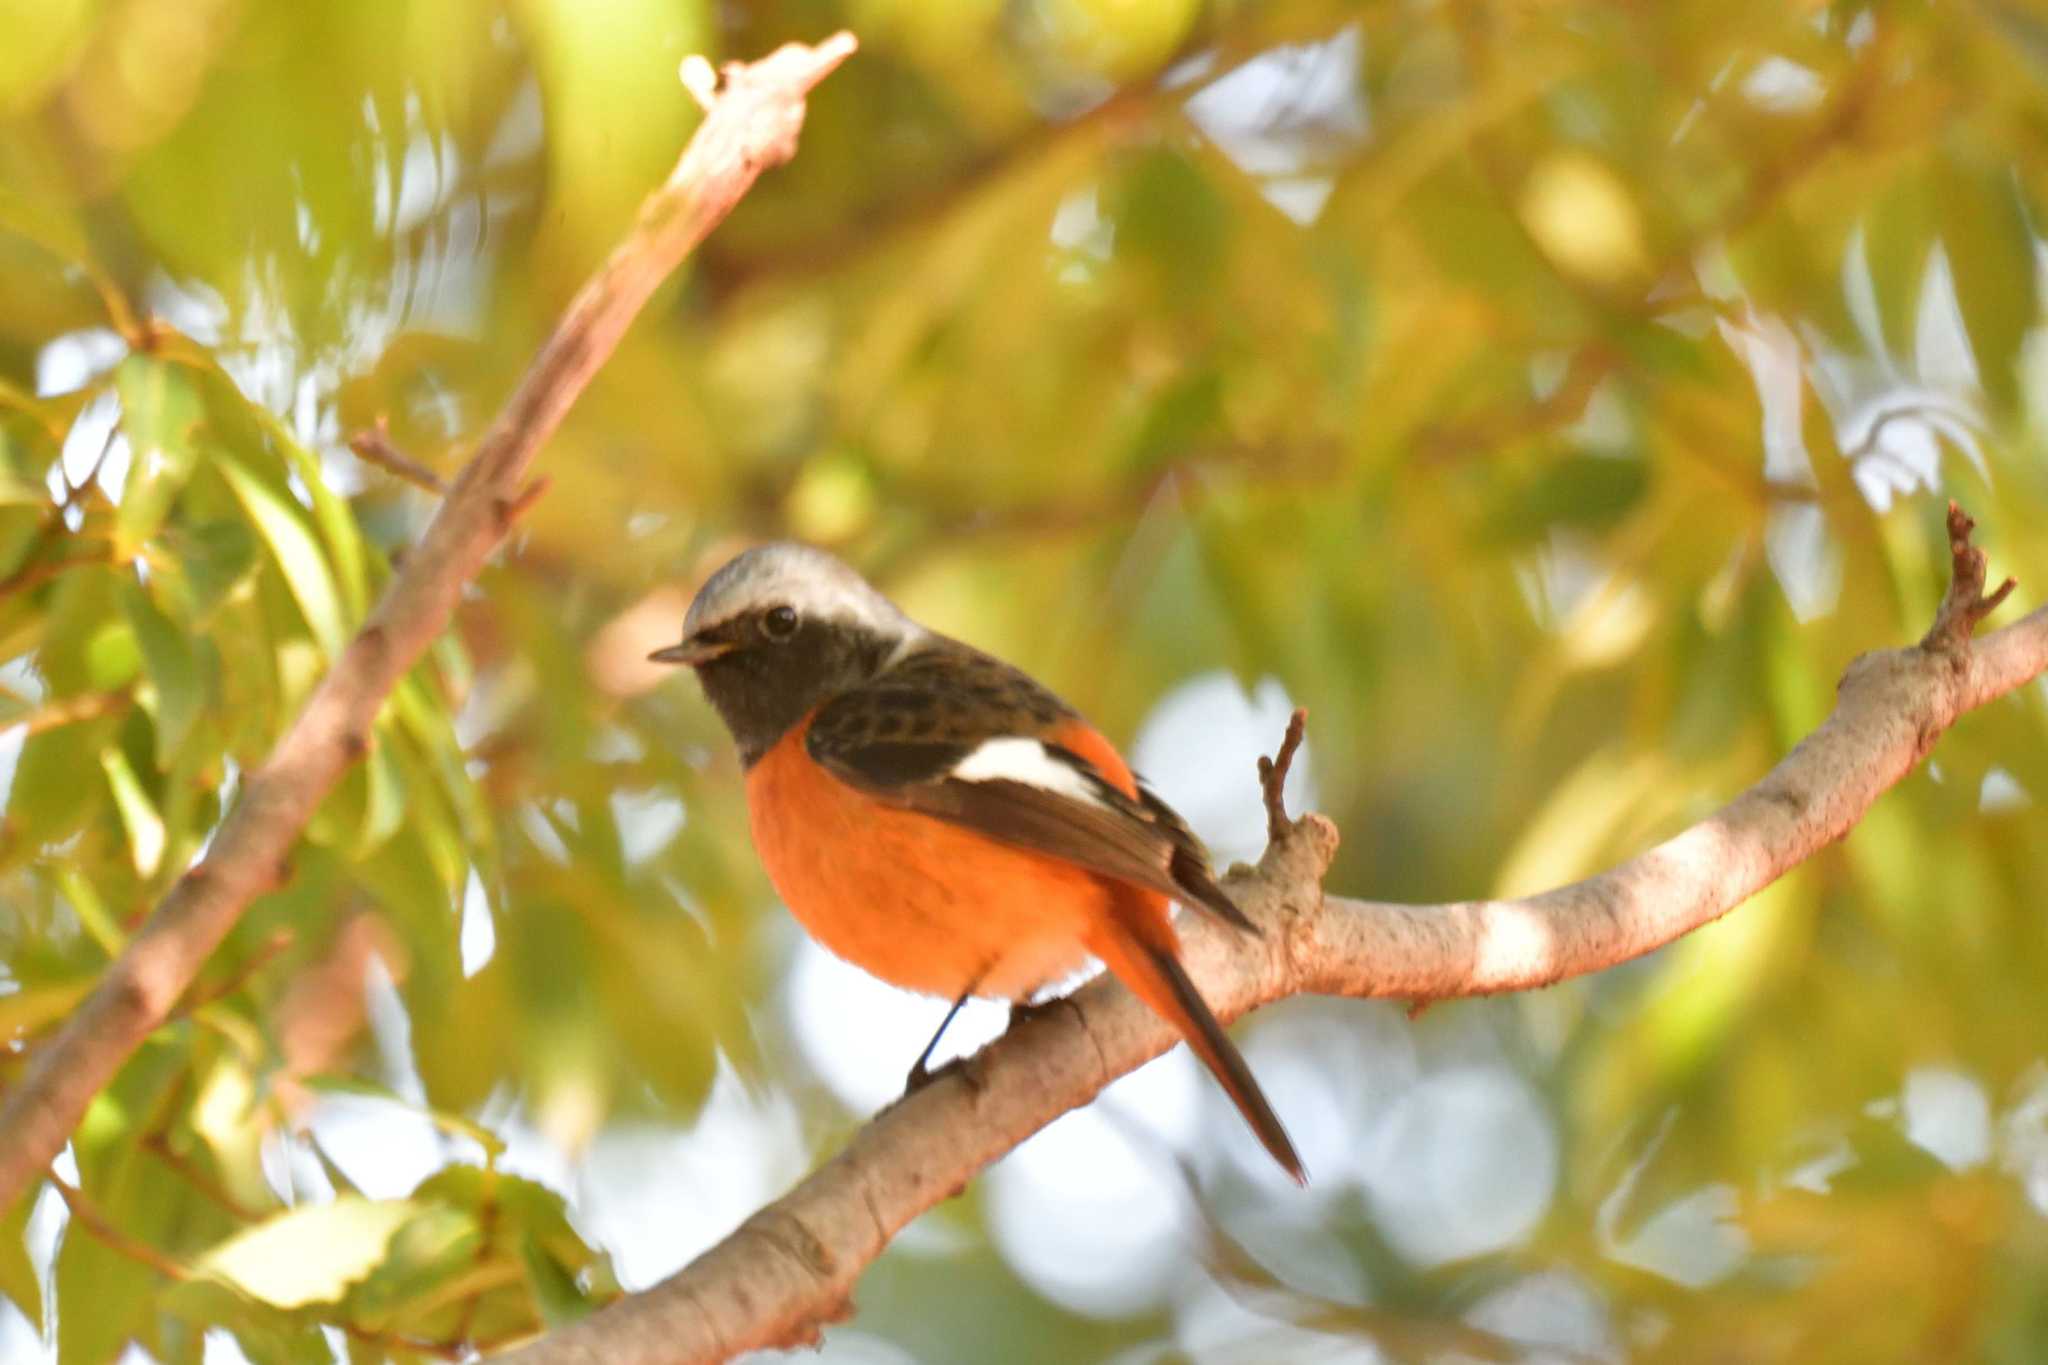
(1154, 975)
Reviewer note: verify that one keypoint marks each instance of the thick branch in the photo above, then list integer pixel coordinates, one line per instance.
(791, 1267)
(749, 125)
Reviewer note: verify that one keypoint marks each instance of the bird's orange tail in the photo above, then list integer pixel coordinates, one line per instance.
(1144, 958)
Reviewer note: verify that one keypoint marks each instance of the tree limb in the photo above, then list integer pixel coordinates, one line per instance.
(750, 124)
(790, 1268)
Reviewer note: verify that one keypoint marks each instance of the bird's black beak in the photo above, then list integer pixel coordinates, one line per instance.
(695, 651)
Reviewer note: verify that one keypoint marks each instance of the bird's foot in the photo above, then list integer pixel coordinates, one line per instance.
(921, 1075)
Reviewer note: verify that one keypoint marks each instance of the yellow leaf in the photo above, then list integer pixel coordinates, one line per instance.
(311, 1254)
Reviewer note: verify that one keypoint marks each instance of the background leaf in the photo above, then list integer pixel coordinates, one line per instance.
(309, 1255)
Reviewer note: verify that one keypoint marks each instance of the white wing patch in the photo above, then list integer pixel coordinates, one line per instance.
(1015, 759)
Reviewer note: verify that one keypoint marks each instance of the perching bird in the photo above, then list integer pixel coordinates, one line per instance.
(937, 817)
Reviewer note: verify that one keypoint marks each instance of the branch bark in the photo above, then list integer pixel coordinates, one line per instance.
(750, 124)
(790, 1268)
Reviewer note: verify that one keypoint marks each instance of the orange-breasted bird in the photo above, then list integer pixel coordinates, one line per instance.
(940, 819)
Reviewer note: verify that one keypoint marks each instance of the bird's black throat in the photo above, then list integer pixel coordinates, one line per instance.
(762, 688)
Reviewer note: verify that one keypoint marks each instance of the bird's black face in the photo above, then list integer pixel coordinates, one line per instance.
(767, 668)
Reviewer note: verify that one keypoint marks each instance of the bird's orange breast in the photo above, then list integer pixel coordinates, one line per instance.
(916, 901)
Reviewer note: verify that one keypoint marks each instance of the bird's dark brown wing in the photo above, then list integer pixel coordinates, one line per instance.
(964, 737)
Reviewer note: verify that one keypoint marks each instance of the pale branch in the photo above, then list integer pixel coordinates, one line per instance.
(790, 1268)
(750, 124)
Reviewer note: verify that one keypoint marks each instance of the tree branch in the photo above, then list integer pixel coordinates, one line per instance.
(750, 125)
(791, 1267)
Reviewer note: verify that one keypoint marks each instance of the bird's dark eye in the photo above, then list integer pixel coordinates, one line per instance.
(779, 623)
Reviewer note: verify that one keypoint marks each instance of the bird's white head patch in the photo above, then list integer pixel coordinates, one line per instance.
(788, 573)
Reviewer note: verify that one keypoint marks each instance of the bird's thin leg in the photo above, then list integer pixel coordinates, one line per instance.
(919, 1076)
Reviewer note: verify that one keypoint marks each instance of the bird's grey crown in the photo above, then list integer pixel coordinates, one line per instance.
(789, 573)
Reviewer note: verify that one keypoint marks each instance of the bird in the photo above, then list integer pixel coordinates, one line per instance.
(938, 817)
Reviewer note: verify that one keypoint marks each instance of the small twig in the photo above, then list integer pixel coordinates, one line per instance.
(75, 491)
(375, 446)
(36, 574)
(159, 1146)
(264, 955)
(513, 508)
(487, 1231)
(1965, 603)
(1273, 776)
(64, 711)
(87, 1215)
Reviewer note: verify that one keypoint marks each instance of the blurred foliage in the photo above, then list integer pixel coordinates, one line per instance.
(1552, 396)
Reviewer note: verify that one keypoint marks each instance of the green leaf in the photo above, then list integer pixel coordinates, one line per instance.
(566, 1277)
(1170, 216)
(90, 908)
(16, 491)
(106, 1298)
(138, 813)
(103, 1297)
(311, 1254)
(18, 1281)
(384, 805)
(1588, 492)
(554, 1288)
(331, 513)
(112, 656)
(427, 721)
(267, 1335)
(199, 567)
(431, 1248)
(1898, 234)
(160, 412)
(33, 1008)
(1991, 254)
(281, 522)
(171, 668)
(48, 803)
(79, 651)
(1187, 412)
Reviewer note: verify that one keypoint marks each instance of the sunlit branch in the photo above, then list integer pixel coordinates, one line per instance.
(790, 1269)
(751, 123)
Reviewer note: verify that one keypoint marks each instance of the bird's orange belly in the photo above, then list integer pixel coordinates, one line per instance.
(919, 903)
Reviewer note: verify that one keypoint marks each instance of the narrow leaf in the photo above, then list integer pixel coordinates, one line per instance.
(281, 523)
(138, 813)
(160, 413)
(168, 661)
